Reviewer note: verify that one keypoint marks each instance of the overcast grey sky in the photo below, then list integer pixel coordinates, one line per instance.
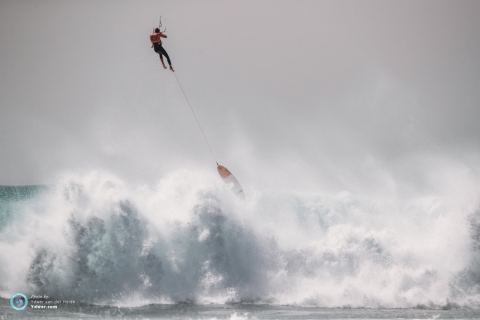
(315, 95)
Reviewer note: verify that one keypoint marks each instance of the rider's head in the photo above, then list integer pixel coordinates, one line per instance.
(157, 30)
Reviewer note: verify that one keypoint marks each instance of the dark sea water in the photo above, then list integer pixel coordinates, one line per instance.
(235, 311)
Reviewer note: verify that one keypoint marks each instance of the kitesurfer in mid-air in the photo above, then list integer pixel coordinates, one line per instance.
(156, 39)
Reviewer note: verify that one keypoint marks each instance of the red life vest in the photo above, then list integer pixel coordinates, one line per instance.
(155, 38)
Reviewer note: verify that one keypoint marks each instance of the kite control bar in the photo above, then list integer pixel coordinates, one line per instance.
(160, 25)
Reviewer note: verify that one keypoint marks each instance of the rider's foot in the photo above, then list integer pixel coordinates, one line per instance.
(171, 68)
(164, 67)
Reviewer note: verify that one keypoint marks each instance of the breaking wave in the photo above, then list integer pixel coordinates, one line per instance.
(94, 238)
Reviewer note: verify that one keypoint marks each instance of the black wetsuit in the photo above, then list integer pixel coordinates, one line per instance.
(159, 49)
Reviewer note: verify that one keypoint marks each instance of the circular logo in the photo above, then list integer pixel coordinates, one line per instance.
(19, 301)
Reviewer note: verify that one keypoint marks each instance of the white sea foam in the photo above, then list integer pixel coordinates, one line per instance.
(94, 238)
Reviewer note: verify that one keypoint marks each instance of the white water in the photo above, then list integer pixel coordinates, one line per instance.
(95, 238)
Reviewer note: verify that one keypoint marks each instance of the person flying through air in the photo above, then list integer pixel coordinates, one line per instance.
(156, 39)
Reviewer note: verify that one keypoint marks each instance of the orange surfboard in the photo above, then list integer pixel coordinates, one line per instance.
(231, 181)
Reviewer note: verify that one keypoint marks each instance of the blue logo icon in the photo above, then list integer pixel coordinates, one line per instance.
(19, 301)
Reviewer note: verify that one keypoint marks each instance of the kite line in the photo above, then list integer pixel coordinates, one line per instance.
(193, 112)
